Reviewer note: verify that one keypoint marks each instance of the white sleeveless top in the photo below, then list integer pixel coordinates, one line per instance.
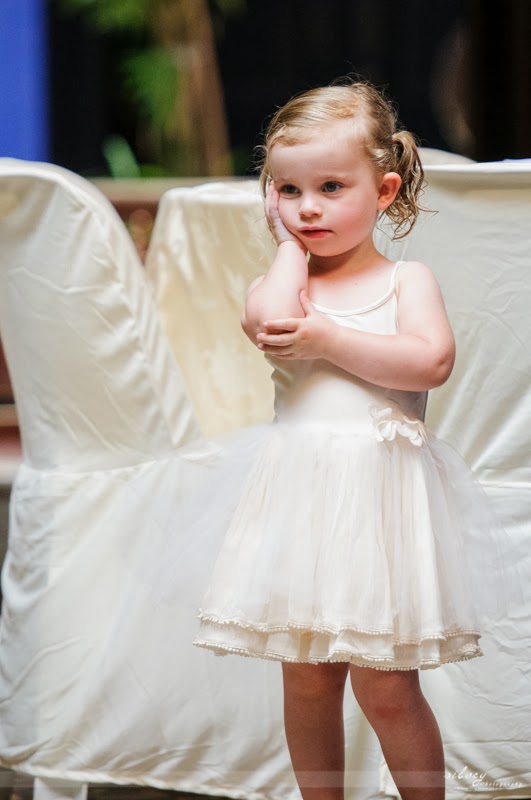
(318, 392)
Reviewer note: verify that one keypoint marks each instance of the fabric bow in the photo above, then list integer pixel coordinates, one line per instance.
(389, 421)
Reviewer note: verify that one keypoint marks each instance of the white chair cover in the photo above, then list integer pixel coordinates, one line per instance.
(478, 245)
(99, 681)
(431, 156)
(208, 244)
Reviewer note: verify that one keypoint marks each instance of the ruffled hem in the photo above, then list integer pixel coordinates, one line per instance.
(294, 643)
(314, 647)
(357, 661)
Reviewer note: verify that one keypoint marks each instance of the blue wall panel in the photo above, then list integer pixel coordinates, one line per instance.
(24, 79)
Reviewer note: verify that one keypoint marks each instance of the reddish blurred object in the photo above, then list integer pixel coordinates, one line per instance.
(10, 447)
(6, 394)
(140, 224)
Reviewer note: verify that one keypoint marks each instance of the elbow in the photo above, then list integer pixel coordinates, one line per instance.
(252, 318)
(250, 327)
(441, 367)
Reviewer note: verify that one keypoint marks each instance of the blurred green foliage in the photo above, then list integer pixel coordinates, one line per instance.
(151, 75)
(110, 15)
(152, 80)
(113, 15)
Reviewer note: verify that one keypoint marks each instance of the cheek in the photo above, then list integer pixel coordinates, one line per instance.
(287, 212)
(361, 212)
(349, 216)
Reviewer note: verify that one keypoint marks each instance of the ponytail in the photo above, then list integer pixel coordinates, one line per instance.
(405, 208)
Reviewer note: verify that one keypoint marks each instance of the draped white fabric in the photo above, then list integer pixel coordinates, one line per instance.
(97, 681)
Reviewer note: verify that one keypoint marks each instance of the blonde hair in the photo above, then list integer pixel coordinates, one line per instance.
(374, 122)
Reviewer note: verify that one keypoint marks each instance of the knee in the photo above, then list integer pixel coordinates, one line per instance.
(314, 680)
(387, 695)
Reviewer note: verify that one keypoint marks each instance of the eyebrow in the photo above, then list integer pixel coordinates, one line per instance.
(325, 176)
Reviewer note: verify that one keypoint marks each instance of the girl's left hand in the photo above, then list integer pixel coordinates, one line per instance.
(303, 337)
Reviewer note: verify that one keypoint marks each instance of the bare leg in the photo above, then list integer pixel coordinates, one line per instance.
(407, 730)
(313, 718)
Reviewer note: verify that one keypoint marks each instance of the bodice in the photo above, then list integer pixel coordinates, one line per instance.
(319, 392)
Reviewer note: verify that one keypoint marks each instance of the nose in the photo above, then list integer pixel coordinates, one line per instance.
(309, 205)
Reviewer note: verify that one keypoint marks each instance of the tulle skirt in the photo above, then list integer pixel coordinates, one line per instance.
(304, 543)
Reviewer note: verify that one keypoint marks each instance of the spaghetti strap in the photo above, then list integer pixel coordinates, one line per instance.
(393, 276)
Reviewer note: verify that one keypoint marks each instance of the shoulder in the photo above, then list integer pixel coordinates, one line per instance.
(408, 270)
(414, 275)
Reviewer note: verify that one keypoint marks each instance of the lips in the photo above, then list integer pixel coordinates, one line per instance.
(314, 233)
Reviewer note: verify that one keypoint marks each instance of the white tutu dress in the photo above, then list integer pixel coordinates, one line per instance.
(356, 534)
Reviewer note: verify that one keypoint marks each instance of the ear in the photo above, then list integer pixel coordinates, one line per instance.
(388, 190)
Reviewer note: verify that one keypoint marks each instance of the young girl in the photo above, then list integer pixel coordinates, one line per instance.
(347, 553)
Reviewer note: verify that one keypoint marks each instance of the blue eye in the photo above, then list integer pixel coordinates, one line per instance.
(331, 186)
(288, 188)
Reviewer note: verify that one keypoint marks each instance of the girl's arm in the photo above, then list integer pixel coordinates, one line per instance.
(420, 357)
(277, 294)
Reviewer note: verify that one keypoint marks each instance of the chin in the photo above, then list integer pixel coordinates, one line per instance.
(324, 251)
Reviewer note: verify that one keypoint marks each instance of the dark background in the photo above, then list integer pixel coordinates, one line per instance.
(458, 69)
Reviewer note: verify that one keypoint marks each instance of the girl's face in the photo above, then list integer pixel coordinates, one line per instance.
(330, 194)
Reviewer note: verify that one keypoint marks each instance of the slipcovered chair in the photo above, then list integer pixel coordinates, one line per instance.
(478, 243)
(99, 681)
(208, 244)
(431, 156)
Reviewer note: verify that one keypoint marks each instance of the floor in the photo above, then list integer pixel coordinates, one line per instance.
(17, 787)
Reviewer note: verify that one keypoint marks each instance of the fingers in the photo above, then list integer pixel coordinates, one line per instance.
(279, 230)
(306, 303)
(280, 325)
(279, 352)
(271, 203)
(275, 340)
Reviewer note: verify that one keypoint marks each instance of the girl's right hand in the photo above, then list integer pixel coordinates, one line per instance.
(279, 230)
